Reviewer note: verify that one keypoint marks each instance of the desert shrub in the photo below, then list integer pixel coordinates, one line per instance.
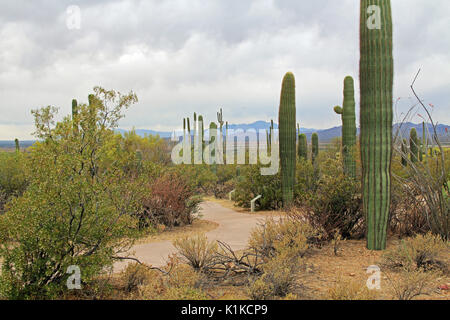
(75, 208)
(260, 290)
(281, 245)
(151, 148)
(13, 174)
(200, 178)
(350, 290)
(197, 251)
(278, 279)
(411, 283)
(250, 183)
(273, 237)
(183, 275)
(184, 293)
(425, 182)
(407, 211)
(170, 202)
(177, 282)
(134, 276)
(307, 177)
(225, 182)
(336, 204)
(3, 201)
(421, 252)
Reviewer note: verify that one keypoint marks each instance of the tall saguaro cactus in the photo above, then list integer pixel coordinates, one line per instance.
(302, 146)
(286, 123)
(74, 114)
(413, 145)
(404, 153)
(201, 131)
(376, 83)
(17, 145)
(314, 147)
(348, 116)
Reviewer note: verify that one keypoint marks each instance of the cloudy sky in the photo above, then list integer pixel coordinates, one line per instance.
(182, 56)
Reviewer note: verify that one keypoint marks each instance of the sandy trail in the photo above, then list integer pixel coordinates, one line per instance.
(234, 229)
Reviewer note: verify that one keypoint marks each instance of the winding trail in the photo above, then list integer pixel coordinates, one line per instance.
(234, 229)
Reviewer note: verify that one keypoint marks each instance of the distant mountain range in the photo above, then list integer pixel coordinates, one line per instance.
(325, 135)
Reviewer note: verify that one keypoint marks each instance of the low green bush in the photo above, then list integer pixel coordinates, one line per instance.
(336, 204)
(250, 183)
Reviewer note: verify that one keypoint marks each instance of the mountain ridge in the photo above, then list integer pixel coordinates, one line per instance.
(325, 135)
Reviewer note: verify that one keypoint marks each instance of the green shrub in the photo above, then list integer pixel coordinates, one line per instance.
(336, 203)
(251, 183)
(13, 174)
(307, 180)
(200, 178)
(75, 211)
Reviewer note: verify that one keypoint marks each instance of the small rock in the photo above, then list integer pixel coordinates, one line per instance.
(352, 274)
(444, 287)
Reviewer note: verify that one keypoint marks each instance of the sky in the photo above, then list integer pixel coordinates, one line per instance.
(186, 56)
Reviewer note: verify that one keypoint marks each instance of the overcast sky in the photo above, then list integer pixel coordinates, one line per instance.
(181, 56)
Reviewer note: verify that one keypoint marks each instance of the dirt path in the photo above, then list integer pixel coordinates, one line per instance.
(234, 228)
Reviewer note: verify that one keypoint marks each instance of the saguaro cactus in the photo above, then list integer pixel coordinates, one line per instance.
(413, 146)
(74, 114)
(404, 153)
(17, 145)
(74, 108)
(286, 123)
(213, 134)
(302, 146)
(195, 124)
(201, 129)
(348, 116)
(376, 83)
(269, 144)
(314, 147)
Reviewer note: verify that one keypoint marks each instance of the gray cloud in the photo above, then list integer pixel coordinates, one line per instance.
(182, 56)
